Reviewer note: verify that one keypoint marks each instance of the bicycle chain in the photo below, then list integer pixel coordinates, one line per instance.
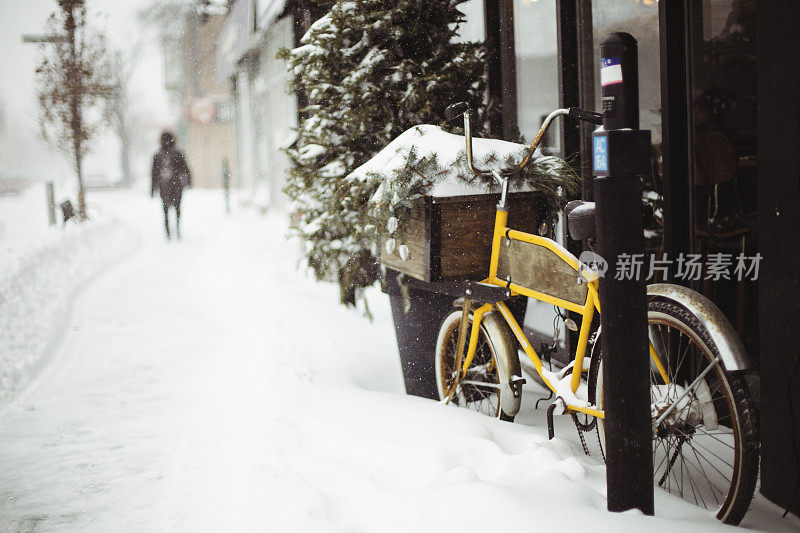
(586, 428)
(672, 461)
(600, 443)
(578, 426)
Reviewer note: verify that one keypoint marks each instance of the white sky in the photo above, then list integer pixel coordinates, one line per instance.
(23, 153)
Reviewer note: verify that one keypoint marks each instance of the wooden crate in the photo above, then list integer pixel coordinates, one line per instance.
(450, 238)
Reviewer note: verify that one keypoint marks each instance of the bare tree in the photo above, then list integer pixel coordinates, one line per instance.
(72, 79)
(119, 109)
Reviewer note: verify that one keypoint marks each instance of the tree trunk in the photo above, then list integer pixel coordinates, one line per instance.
(76, 122)
(79, 172)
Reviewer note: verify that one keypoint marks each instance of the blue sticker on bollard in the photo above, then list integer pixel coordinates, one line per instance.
(600, 149)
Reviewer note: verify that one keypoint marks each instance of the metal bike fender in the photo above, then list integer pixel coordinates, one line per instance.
(508, 366)
(731, 350)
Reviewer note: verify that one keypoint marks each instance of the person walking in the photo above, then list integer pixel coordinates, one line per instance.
(170, 176)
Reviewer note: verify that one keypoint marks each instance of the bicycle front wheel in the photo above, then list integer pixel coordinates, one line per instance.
(705, 446)
(479, 388)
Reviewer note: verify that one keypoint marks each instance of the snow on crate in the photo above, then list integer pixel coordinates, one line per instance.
(426, 160)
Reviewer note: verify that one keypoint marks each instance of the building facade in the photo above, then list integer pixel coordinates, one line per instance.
(265, 109)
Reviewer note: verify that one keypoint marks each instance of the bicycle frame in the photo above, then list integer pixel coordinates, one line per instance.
(586, 309)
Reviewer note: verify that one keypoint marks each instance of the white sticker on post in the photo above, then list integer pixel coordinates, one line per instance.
(610, 71)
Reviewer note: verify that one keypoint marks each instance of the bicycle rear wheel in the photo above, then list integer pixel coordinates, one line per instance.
(706, 449)
(479, 388)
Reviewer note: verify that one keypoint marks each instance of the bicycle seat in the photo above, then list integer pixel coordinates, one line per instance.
(580, 219)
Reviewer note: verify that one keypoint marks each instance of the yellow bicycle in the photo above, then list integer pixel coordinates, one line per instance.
(705, 435)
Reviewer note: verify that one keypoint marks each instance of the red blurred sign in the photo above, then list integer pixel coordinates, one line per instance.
(203, 110)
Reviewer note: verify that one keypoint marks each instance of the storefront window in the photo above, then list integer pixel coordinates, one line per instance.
(536, 48)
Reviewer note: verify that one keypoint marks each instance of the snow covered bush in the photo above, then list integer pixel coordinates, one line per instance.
(370, 70)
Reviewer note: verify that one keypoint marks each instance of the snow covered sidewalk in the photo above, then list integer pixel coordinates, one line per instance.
(207, 385)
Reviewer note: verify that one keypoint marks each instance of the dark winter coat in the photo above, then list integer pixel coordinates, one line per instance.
(170, 174)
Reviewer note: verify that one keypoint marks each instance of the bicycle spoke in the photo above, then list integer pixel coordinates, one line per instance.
(692, 484)
(702, 471)
(709, 449)
(666, 456)
(710, 463)
(710, 485)
(711, 435)
(478, 387)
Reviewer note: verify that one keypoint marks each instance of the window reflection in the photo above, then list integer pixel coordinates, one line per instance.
(724, 151)
(536, 48)
(724, 111)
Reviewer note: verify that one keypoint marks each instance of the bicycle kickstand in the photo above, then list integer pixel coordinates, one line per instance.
(551, 430)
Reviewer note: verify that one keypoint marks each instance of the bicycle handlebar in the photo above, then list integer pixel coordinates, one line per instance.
(456, 110)
(453, 111)
(462, 108)
(587, 116)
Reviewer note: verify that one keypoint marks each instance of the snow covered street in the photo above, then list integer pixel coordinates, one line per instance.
(209, 384)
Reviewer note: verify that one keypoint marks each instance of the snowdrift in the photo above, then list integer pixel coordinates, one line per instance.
(38, 281)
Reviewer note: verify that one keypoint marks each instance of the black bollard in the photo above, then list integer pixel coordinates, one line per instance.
(226, 184)
(621, 156)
